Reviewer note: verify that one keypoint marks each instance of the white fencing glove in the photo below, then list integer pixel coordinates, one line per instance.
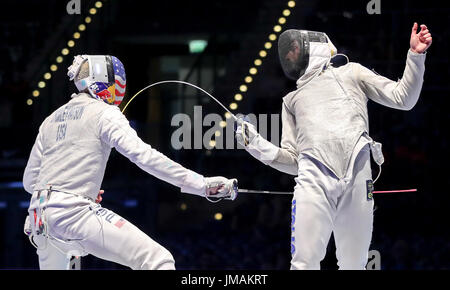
(218, 188)
(253, 142)
(245, 131)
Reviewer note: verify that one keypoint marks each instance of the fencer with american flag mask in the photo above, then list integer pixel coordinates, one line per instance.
(66, 168)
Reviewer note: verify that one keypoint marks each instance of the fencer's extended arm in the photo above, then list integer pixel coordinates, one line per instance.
(116, 132)
(282, 158)
(34, 165)
(401, 95)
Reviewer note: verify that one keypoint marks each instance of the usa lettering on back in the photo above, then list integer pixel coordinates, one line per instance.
(67, 113)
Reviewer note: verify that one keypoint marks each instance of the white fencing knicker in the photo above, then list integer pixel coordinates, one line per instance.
(324, 204)
(65, 225)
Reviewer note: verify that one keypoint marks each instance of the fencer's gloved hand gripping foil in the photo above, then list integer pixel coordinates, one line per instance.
(253, 142)
(219, 187)
(282, 158)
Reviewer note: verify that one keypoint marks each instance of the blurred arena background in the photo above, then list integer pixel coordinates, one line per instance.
(154, 40)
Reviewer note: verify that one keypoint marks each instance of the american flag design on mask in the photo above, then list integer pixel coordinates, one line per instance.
(120, 80)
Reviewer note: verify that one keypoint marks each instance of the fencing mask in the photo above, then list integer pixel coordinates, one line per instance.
(302, 51)
(102, 76)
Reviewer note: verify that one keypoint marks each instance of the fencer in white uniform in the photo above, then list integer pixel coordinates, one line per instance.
(325, 143)
(66, 168)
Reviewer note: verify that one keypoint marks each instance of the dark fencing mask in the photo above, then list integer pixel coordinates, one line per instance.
(301, 51)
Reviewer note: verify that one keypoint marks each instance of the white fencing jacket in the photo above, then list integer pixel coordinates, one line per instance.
(326, 117)
(74, 143)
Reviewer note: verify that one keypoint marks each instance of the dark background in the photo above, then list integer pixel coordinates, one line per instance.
(411, 230)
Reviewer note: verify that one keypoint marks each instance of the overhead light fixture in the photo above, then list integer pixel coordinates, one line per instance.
(233, 106)
(197, 46)
(263, 53)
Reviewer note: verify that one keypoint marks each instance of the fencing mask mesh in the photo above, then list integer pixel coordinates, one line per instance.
(296, 47)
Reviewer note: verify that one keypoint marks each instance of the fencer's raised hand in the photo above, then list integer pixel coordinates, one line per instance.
(245, 131)
(99, 196)
(219, 187)
(420, 42)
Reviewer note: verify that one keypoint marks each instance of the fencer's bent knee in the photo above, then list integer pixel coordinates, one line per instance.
(155, 258)
(165, 260)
